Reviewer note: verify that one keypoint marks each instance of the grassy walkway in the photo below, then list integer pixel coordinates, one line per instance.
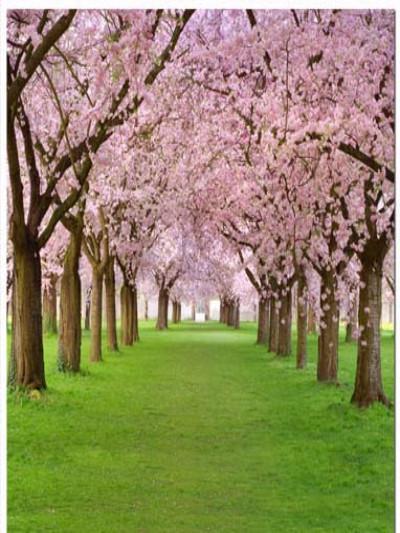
(197, 429)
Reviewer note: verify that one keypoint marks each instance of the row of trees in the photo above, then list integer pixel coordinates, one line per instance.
(196, 150)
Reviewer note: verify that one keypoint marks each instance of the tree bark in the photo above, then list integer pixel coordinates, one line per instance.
(50, 307)
(327, 367)
(162, 315)
(96, 315)
(135, 317)
(301, 350)
(352, 324)
(12, 371)
(262, 327)
(69, 340)
(175, 312)
(193, 310)
(368, 384)
(127, 334)
(285, 325)
(109, 281)
(179, 311)
(273, 327)
(27, 340)
(236, 315)
(87, 308)
(146, 309)
(311, 325)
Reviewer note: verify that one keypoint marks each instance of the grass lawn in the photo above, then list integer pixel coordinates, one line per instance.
(198, 429)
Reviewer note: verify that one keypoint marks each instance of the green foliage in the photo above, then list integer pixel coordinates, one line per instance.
(198, 429)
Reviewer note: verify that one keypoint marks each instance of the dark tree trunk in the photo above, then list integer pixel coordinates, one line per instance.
(162, 316)
(285, 325)
(127, 334)
(327, 367)
(230, 313)
(87, 308)
(311, 325)
(109, 281)
(262, 327)
(135, 317)
(368, 384)
(50, 307)
(174, 312)
(146, 309)
(273, 328)
(301, 350)
(69, 340)
(27, 326)
(236, 315)
(221, 310)
(193, 310)
(179, 311)
(96, 308)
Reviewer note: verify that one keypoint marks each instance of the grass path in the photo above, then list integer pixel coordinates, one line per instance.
(197, 429)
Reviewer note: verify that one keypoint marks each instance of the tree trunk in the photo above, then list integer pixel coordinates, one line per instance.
(221, 310)
(193, 310)
(327, 367)
(311, 325)
(175, 312)
(87, 308)
(135, 318)
(352, 324)
(96, 315)
(285, 325)
(262, 328)
(127, 335)
(273, 327)
(27, 326)
(109, 281)
(69, 340)
(368, 384)
(236, 315)
(301, 350)
(146, 309)
(207, 310)
(231, 312)
(162, 315)
(179, 311)
(12, 376)
(50, 307)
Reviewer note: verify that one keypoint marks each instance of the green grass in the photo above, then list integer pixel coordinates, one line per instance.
(197, 429)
